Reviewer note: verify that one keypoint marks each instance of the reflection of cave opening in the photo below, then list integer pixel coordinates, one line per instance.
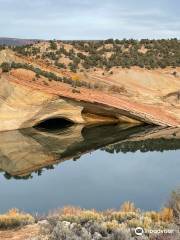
(54, 123)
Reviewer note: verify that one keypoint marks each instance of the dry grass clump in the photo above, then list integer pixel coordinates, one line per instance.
(128, 207)
(111, 225)
(165, 215)
(15, 218)
(69, 210)
(72, 214)
(174, 204)
(122, 216)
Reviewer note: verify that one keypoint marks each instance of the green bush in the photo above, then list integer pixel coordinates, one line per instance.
(53, 45)
(6, 67)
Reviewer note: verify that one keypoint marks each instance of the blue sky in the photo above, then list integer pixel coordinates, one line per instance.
(90, 19)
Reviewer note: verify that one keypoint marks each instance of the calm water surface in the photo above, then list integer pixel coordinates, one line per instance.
(99, 168)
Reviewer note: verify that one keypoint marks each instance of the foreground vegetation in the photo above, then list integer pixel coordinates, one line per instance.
(74, 223)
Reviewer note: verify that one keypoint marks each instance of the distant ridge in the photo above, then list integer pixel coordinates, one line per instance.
(16, 41)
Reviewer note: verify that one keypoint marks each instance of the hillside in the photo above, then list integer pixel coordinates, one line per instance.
(80, 74)
(80, 55)
(15, 41)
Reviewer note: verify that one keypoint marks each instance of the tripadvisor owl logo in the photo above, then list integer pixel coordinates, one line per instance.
(139, 231)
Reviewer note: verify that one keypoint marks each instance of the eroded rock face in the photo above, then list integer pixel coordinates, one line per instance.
(25, 103)
(21, 107)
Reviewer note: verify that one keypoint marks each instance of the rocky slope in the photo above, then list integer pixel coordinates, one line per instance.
(142, 96)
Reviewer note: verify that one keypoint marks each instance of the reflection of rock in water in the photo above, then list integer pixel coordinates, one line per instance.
(25, 151)
(158, 139)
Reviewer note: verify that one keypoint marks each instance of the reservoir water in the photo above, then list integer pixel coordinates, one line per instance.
(90, 167)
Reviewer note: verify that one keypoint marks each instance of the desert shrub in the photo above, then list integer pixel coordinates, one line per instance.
(86, 216)
(154, 216)
(166, 215)
(175, 236)
(37, 75)
(80, 216)
(111, 225)
(128, 207)
(2, 47)
(157, 218)
(73, 67)
(74, 90)
(116, 89)
(174, 204)
(15, 218)
(97, 227)
(53, 45)
(66, 231)
(120, 234)
(6, 67)
(60, 65)
(69, 210)
(122, 216)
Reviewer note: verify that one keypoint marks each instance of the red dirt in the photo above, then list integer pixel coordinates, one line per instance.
(23, 233)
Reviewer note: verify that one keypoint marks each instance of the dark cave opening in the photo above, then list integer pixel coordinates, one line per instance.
(54, 123)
